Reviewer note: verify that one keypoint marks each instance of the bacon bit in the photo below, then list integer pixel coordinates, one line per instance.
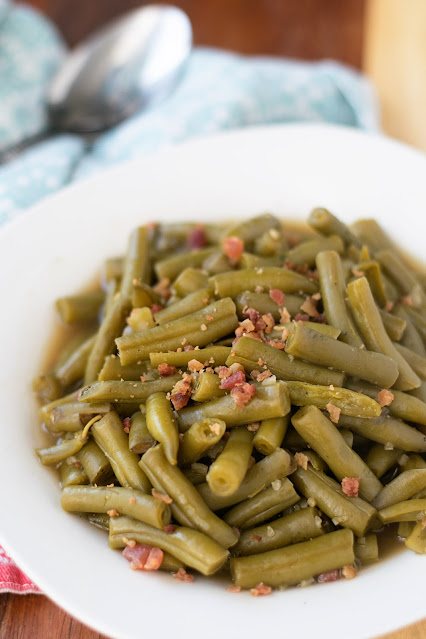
(407, 300)
(188, 348)
(195, 366)
(301, 460)
(223, 371)
(181, 392)
(132, 500)
(334, 412)
(357, 272)
(143, 557)
(331, 387)
(385, 397)
(142, 378)
(126, 424)
(169, 529)
(112, 512)
(129, 542)
(277, 296)
(233, 247)
(350, 486)
(285, 316)
(423, 521)
(326, 577)
(236, 368)
(243, 394)
(110, 485)
(260, 590)
(163, 288)
(203, 327)
(254, 427)
(182, 575)
(156, 308)
(277, 343)
(254, 374)
(254, 336)
(301, 317)
(205, 300)
(263, 375)
(196, 238)
(234, 588)
(259, 289)
(256, 537)
(309, 306)
(269, 322)
(215, 429)
(349, 572)
(164, 370)
(388, 306)
(161, 497)
(316, 297)
(237, 379)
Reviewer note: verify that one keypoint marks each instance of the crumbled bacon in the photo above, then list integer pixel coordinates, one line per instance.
(263, 375)
(285, 316)
(243, 394)
(277, 343)
(348, 572)
(256, 537)
(251, 314)
(182, 575)
(301, 317)
(350, 486)
(215, 429)
(233, 247)
(269, 322)
(112, 513)
(260, 590)
(161, 496)
(223, 371)
(326, 577)
(385, 397)
(237, 379)
(407, 300)
(163, 288)
(253, 427)
(196, 238)
(169, 529)
(388, 306)
(277, 296)
(188, 348)
(309, 306)
(234, 588)
(254, 336)
(126, 424)
(181, 392)
(334, 412)
(301, 460)
(143, 557)
(164, 370)
(195, 366)
(155, 308)
(357, 272)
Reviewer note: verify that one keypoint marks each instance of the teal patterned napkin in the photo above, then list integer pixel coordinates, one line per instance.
(219, 91)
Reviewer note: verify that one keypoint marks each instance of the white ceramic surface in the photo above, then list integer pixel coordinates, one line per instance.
(56, 247)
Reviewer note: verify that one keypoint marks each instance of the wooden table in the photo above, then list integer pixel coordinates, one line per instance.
(308, 29)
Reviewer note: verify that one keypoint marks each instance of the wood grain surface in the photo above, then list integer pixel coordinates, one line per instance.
(305, 29)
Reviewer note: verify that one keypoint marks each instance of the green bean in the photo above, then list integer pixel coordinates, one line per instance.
(327, 224)
(315, 460)
(72, 416)
(300, 525)
(285, 496)
(371, 233)
(195, 328)
(72, 473)
(412, 462)
(269, 401)
(250, 230)
(416, 361)
(235, 282)
(370, 324)
(271, 242)
(136, 266)
(271, 434)
(250, 260)
(171, 267)
(46, 409)
(111, 326)
(264, 304)
(196, 473)
(419, 322)
(366, 549)
(140, 439)
(67, 448)
(126, 392)
(266, 515)
(325, 329)
(410, 510)
(207, 386)
(72, 369)
(190, 546)
(325, 439)
(144, 295)
(405, 528)
(82, 307)
(47, 388)
(95, 463)
(386, 430)
(371, 270)
(403, 277)
(404, 486)
(108, 433)
(190, 280)
(306, 252)
(416, 540)
(216, 263)
(126, 501)
(282, 364)
(349, 512)
(380, 459)
(112, 269)
(348, 402)
(291, 565)
(162, 425)
(228, 470)
(210, 356)
(99, 520)
(199, 438)
(319, 349)
(395, 326)
(270, 468)
(189, 304)
(411, 338)
(419, 392)
(113, 369)
(186, 497)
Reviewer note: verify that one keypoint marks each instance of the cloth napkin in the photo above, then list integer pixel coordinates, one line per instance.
(219, 91)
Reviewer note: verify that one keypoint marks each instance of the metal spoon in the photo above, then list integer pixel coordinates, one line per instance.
(130, 64)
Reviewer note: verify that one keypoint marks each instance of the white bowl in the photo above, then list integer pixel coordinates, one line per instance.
(59, 245)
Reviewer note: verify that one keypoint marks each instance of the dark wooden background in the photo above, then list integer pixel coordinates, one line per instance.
(305, 29)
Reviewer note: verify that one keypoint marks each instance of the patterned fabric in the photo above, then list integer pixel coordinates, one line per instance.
(12, 579)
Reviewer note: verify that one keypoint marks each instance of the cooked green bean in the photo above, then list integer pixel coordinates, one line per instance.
(250, 230)
(328, 224)
(108, 433)
(190, 280)
(271, 434)
(126, 392)
(112, 269)
(319, 349)
(306, 252)
(95, 463)
(416, 540)
(291, 565)
(380, 459)
(403, 277)
(269, 401)
(325, 439)
(405, 528)
(140, 439)
(325, 329)
(412, 462)
(210, 356)
(388, 431)
(348, 402)
(371, 233)
(171, 267)
(411, 338)
(71, 417)
(268, 277)
(196, 473)
(419, 392)
(271, 242)
(372, 271)
(72, 473)
(47, 388)
(99, 520)
(216, 263)
(404, 486)
(207, 386)
(113, 369)
(136, 266)
(162, 425)
(349, 512)
(415, 360)
(264, 304)
(199, 328)
(186, 497)
(367, 549)
(82, 307)
(67, 448)
(190, 546)
(370, 325)
(189, 304)
(228, 470)
(410, 510)
(125, 501)
(72, 369)
(333, 292)
(285, 496)
(395, 326)
(199, 438)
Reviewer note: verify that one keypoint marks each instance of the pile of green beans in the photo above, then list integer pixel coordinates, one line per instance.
(250, 399)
